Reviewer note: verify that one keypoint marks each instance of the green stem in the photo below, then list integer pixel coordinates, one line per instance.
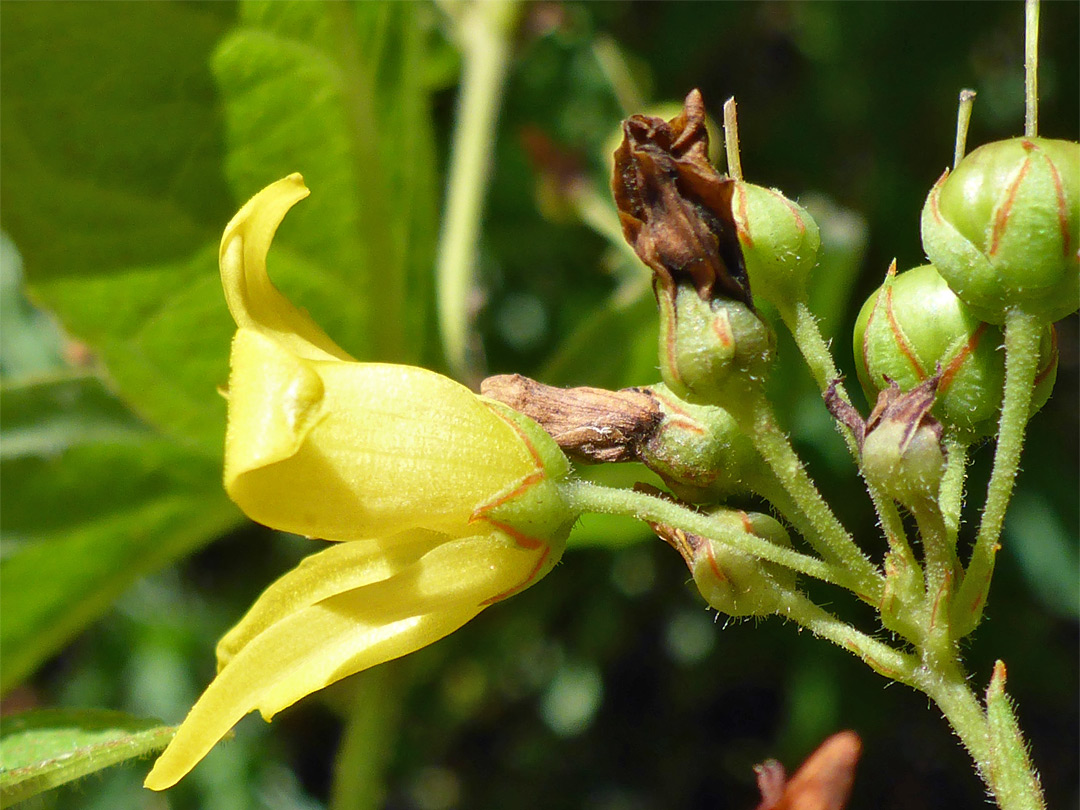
(483, 32)
(940, 557)
(731, 139)
(829, 538)
(371, 725)
(803, 326)
(951, 496)
(1015, 781)
(1022, 337)
(1014, 788)
(584, 496)
(1031, 68)
(619, 75)
(948, 688)
(963, 120)
(892, 663)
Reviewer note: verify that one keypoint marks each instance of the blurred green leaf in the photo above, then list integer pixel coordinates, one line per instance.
(93, 500)
(45, 417)
(627, 329)
(43, 749)
(339, 93)
(1046, 551)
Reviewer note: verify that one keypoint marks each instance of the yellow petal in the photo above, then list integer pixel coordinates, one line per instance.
(345, 451)
(342, 567)
(357, 628)
(252, 298)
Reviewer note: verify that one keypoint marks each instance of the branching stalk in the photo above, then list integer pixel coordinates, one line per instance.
(583, 496)
(829, 538)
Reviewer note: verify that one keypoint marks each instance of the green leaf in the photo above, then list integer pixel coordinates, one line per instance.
(47, 416)
(338, 92)
(113, 192)
(41, 750)
(93, 500)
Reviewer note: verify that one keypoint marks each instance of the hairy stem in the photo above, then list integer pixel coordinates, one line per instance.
(1022, 336)
(951, 495)
(583, 496)
(829, 538)
(803, 326)
(892, 663)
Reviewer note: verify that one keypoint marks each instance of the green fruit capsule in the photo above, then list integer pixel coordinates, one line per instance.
(779, 241)
(1003, 228)
(915, 323)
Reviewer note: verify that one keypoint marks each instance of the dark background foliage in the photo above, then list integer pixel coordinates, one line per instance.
(609, 686)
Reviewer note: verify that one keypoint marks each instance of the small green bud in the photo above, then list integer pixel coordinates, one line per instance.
(779, 241)
(1003, 228)
(731, 581)
(914, 324)
(901, 448)
(712, 352)
(698, 450)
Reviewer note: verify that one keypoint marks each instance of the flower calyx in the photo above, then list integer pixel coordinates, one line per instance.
(779, 241)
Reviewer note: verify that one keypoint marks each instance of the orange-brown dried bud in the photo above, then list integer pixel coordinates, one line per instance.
(675, 207)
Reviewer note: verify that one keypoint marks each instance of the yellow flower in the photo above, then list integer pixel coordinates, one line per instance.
(450, 502)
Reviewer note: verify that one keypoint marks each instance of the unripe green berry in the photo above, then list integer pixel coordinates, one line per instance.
(779, 241)
(712, 352)
(698, 450)
(915, 323)
(1003, 228)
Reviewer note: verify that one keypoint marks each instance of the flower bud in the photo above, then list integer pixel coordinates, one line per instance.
(913, 324)
(779, 241)
(1003, 228)
(698, 450)
(901, 449)
(731, 581)
(712, 352)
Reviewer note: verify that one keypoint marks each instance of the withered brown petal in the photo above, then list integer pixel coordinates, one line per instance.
(590, 424)
(911, 409)
(675, 207)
